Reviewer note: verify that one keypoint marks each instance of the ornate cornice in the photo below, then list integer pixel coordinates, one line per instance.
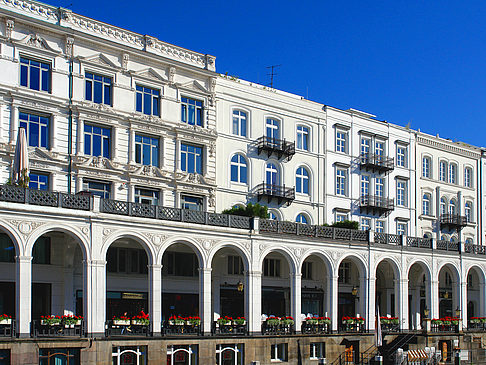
(450, 147)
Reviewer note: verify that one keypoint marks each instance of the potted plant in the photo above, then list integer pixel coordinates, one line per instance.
(50, 320)
(224, 321)
(121, 320)
(70, 321)
(273, 321)
(5, 319)
(194, 321)
(311, 321)
(240, 321)
(140, 320)
(324, 320)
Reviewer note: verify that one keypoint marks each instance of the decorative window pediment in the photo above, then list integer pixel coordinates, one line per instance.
(99, 59)
(149, 74)
(38, 42)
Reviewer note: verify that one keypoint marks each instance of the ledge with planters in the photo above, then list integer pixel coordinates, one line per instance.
(445, 324)
(477, 324)
(390, 324)
(58, 326)
(177, 325)
(278, 326)
(125, 326)
(316, 325)
(230, 326)
(7, 326)
(352, 324)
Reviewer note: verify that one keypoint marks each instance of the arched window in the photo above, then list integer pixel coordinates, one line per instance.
(272, 130)
(426, 167)
(468, 211)
(443, 237)
(271, 174)
(302, 218)
(239, 169)
(453, 239)
(302, 138)
(469, 241)
(272, 215)
(468, 177)
(443, 171)
(302, 181)
(426, 204)
(452, 207)
(453, 173)
(239, 123)
(428, 235)
(443, 206)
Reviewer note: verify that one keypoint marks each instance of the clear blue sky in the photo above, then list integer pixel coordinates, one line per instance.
(417, 62)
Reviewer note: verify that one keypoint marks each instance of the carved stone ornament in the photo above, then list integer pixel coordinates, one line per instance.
(212, 198)
(145, 170)
(9, 27)
(207, 244)
(41, 153)
(107, 231)
(69, 46)
(26, 227)
(85, 230)
(35, 40)
(172, 71)
(125, 59)
(96, 162)
(155, 238)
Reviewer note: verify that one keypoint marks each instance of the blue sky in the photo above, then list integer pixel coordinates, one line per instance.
(417, 62)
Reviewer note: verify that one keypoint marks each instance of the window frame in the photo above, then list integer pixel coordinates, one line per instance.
(341, 181)
(104, 85)
(198, 157)
(401, 156)
(140, 150)
(443, 171)
(402, 227)
(143, 99)
(341, 141)
(302, 218)
(241, 169)
(102, 140)
(426, 167)
(39, 183)
(186, 102)
(105, 194)
(279, 352)
(468, 177)
(43, 129)
(184, 202)
(427, 204)
(302, 140)
(237, 113)
(452, 173)
(138, 198)
(402, 200)
(41, 73)
(302, 180)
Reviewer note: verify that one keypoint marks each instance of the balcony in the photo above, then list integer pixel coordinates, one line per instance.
(375, 205)
(278, 192)
(452, 221)
(376, 163)
(280, 147)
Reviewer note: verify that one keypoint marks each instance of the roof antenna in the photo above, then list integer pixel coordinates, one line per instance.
(272, 74)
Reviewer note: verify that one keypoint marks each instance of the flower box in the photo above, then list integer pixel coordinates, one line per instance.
(6, 321)
(239, 322)
(140, 322)
(121, 322)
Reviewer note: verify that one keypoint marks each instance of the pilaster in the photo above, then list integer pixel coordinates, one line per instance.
(295, 300)
(253, 301)
(23, 288)
(205, 299)
(155, 297)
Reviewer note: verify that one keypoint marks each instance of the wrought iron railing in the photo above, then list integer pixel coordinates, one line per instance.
(472, 248)
(376, 162)
(379, 202)
(39, 329)
(388, 238)
(7, 328)
(453, 220)
(229, 329)
(419, 242)
(447, 245)
(271, 191)
(280, 147)
(278, 329)
(112, 328)
(181, 328)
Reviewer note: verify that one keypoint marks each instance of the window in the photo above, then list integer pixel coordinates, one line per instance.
(129, 355)
(379, 187)
(146, 150)
(426, 204)
(443, 171)
(97, 188)
(191, 111)
(447, 276)
(365, 185)
(468, 177)
(468, 211)
(191, 202)
(401, 228)
(380, 148)
(442, 206)
(239, 123)
(452, 207)
(191, 158)
(235, 265)
(272, 130)
(7, 249)
(452, 173)
(340, 141)
(146, 196)
(401, 156)
(341, 217)
(54, 356)
(341, 182)
(272, 215)
(344, 273)
(365, 146)
(97, 141)
(148, 100)
(302, 218)
(124, 260)
(317, 350)
(182, 355)
(239, 169)
(35, 75)
(41, 253)
(279, 352)
(271, 174)
(426, 167)
(302, 181)
(38, 181)
(98, 88)
(365, 224)
(36, 129)
(5, 357)
(302, 138)
(271, 267)
(307, 270)
(230, 354)
(401, 193)
(380, 227)
(180, 264)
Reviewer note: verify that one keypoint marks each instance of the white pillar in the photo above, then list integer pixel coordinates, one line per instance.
(79, 183)
(371, 305)
(155, 297)
(94, 296)
(463, 303)
(14, 121)
(295, 300)
(53, 133)
(79, 137)
(23, 288)
(401, 292)
(205, 299)
(433, 296)
(482, 292)
(131, 142)
(334, 290)
(253, 301)
(131, 192)
(177, 155)
(114, 144)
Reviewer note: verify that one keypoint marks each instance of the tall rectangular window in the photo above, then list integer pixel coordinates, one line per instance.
(302, 138)
(468, 177)
(148, 100)
(344, 273)
(452, 173)
(365, 224)
(341, 182)
(146, 150)
(442, 171)
(146, 196)
(401, 156)
(36, 129)
(239, 123)
(98, 88)
(317, 350)
(191, 111)
(98, 188)
(426, 167)
(401, 228)
(379, 187)
(271, 267)
(401, 193)
(340, 141)
(279, 352)
(365, 146)
(191, 202)
(235, 265)
(307, 270)
(38, 181)
(380, 227)
(365, 185)
(35, 75)
(191, 158)
(97, 141)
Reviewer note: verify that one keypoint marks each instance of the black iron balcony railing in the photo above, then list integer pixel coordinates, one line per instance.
(370, 204)
(376, 163)
(452, 221)
(278, 192)
(445, 245)
(126, 328)
(280, 147)
(229, 329)
(173, 328)
(40, 329)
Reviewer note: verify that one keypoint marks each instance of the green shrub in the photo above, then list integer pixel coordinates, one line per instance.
(251, 210)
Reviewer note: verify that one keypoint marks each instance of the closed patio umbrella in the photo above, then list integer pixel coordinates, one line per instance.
(21, 159)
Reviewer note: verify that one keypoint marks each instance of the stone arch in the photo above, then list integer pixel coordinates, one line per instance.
(425, 266)
(393, 263)
(285, 252)
(452, 266)
(137, 237)
(479, 271)
(362, 267)
(323, 256)
(232, 245)
(14, 235)
(196, 246)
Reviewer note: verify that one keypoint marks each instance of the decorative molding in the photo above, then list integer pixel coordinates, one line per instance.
(107, 232)
(69, 46)
(9, 27)
(96, 162)
(45, 11)
(99, 59)
(451, 147)
(125, 59)
(149, 74)
(25, 227)
(36, 41)
(155, 238)
(172, 72)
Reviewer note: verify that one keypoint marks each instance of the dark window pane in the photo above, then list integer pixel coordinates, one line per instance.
(89, 91)
(34, 78)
